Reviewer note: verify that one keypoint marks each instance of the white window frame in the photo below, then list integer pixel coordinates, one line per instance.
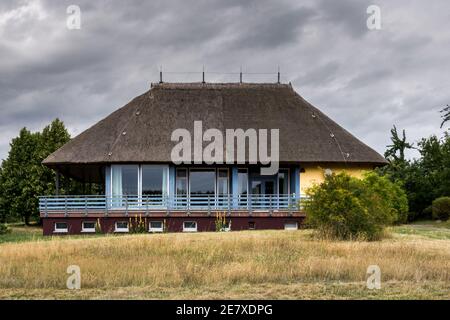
(190, 229)
(150, 229)
(139, 179)
(61, 230)
(87, 230)
(121, 230)
(290, 228)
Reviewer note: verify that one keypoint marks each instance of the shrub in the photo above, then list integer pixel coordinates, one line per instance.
(139, 225)
(4, 229)
(441, 208)
(343, 207)
(390, 196)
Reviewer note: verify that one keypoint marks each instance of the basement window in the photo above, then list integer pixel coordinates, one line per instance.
(61, 227)
(189, 226)
(155, 226)
(88, 226)
(121, 226)
(251, 225)
(291, 226)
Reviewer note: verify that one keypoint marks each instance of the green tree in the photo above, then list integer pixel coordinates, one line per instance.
(445, 115)
(23, 177)
(396, 151)
(20, 177)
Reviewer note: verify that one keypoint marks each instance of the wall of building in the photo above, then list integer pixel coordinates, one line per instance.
(174, 224)
(314, 174)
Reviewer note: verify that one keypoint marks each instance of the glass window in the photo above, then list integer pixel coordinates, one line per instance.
(156, 226)
(189, 226)
(202, 182)
(291, 226)
(256, 187)
(88, 226)
(242, 181)
(124, 180)
(61, 227)
(121, 226)
(222, 181)
(154, 180)
(283, 182)
(181, 182)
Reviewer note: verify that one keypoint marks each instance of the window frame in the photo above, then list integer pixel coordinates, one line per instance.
(61, 230)
(121, 230)
(291, 222)
(87, 230)
(155, 230)
(190, 229)
(288, 177)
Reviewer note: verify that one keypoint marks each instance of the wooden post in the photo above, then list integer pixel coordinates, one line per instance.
(57, 183)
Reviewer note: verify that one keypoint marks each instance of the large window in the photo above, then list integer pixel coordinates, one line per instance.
(283, 182)
(181, 182)
(202, 186)
(222, 186)
(154, 180)
(202, 182)
(125, 180)
(242, 186)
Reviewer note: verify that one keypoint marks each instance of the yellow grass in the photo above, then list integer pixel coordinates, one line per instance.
(248, 265)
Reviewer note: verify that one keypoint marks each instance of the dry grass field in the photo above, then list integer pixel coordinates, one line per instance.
(414, 261)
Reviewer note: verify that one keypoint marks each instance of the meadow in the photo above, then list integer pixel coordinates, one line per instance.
(414, 262)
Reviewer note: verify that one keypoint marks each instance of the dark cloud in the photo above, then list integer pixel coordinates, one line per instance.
(366, 80)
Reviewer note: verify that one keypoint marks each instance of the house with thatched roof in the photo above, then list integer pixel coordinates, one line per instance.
(131, 154)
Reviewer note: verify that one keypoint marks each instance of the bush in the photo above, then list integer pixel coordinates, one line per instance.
(4, 228)
(343, 207)
(441, 208)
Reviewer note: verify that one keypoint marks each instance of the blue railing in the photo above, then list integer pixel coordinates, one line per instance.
(49, 204)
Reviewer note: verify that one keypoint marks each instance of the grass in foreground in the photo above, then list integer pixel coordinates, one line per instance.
(238, 265)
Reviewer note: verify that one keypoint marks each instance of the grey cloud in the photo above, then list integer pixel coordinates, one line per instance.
(365, 80)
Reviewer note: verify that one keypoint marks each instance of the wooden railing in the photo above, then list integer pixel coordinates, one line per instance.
(68, 204)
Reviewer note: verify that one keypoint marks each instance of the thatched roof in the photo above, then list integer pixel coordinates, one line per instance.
(141, 130)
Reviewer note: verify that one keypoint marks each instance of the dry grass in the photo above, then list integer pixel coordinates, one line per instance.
(251, 265)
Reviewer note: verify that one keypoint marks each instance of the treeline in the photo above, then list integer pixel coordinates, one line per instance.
(23, 177)
(425, 178)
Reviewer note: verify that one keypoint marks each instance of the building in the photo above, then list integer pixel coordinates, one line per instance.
(129, 152)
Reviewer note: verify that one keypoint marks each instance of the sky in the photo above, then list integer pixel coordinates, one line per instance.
(366, 80)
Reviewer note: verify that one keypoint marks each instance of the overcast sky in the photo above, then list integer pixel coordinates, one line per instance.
(366, 80)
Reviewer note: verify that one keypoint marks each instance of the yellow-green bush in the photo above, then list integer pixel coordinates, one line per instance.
(344, 207)
(441, 208)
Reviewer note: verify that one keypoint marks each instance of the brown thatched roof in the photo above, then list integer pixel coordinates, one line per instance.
(141, 130)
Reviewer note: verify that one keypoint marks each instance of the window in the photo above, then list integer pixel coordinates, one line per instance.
(251, 225)
(181, 182)
(189, 226)
(88, 226)
(222, 186)
(202, 185)
(283, 182)
(124, 182)
(155, 226)
(121, 226)
(154, 180)
(242, 186)
(61, 227)
(242, 181)
(291, 226)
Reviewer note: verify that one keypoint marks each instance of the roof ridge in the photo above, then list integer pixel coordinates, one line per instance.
(217, 85)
